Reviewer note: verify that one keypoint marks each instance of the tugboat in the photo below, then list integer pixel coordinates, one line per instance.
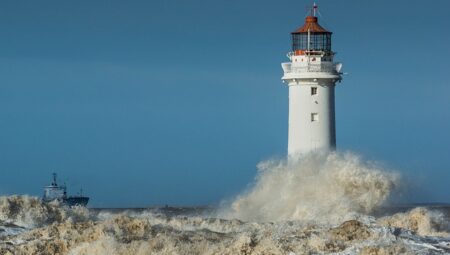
(55, 192)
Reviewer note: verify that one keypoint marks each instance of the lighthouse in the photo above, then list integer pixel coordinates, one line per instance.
(311, 75)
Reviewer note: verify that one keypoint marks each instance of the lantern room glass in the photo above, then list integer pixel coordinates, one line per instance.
(318, 41)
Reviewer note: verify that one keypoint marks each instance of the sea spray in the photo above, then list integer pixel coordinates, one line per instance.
(148, 233)
(30, 212)
(316, 206)
(419, 220)
(319, 187)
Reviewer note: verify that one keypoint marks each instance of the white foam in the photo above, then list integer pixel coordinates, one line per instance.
(317, 187)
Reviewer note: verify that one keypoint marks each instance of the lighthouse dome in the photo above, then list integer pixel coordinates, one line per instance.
(311, 24)
(311, 37)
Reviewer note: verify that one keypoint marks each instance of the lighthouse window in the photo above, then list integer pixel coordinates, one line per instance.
(314, 117)
(313, 91)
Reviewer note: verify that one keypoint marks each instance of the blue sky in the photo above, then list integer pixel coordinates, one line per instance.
(175, 102)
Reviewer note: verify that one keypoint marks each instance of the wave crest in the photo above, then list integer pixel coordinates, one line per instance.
(319, 187)
(419, 220)
(29, 212)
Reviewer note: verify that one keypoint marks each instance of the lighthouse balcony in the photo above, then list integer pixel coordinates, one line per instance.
(310, 68)
(311, 71)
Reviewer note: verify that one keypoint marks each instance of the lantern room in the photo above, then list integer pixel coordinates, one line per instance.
(311, 38)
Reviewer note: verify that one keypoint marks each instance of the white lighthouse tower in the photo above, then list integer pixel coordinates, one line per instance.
(311, 76)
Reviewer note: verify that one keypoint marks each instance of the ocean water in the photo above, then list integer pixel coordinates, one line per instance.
(320, 204)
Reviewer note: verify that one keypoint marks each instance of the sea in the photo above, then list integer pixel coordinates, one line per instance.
(323, 204)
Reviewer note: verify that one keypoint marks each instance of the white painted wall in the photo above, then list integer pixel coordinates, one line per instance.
(306, 135)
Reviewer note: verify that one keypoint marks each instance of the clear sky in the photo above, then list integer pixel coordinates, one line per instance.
(175, 102)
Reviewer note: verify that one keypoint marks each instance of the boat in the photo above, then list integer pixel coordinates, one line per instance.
(55, 192)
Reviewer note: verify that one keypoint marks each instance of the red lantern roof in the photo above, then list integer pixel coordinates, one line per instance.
(312, 25)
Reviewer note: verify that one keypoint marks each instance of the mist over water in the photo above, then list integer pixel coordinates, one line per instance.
(317, 204)
(315, 187)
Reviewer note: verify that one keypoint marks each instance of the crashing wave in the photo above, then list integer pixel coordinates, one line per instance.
(420, 221)
(149, 233)
(317, 187)
(318, 205)
(31, 212)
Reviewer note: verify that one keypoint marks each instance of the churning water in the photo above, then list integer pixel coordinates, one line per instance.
(320, 204)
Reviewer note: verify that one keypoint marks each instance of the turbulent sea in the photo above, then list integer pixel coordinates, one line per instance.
(319, 204)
